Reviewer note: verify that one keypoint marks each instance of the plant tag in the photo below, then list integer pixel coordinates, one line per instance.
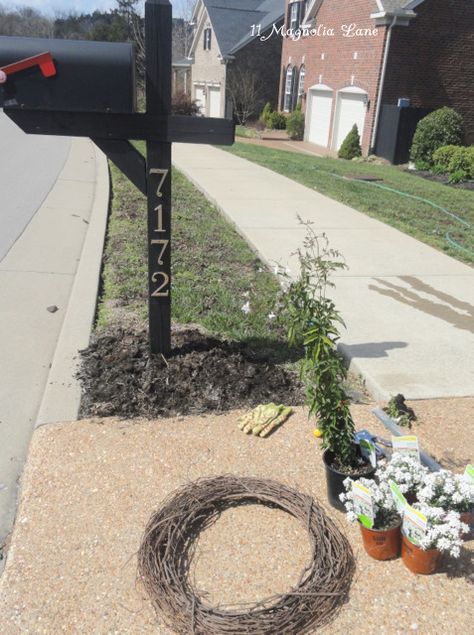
(414, 525)
(401, 502)
(363, 505)
(469, 474)
(407, 445)
(367, 449)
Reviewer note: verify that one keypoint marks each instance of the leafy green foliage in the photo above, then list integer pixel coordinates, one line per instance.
(458, 176)
(440, 128)
(442, 158)
(272, 118)
(350, 148)
(295, 124)
(266, 113)
(313, 321)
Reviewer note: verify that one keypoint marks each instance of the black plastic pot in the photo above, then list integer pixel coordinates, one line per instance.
(335, 480)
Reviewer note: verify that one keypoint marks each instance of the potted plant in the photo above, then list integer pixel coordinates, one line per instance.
(421, 554)
(382, 540)
(313, 323)
(451, 492)
(406, 471)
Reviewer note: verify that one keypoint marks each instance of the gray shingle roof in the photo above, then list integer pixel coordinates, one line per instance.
(232, 20)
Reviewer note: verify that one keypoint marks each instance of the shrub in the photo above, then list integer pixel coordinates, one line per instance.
(440, 128)
(470, 161)
(182, 104)
(351, 145)
(295, 124)
(266, 114)
(458, 176)
(458, 161)
(442, 157)
(277, 121)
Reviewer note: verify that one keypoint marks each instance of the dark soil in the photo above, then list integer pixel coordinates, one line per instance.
(442, 178)
(120, 378)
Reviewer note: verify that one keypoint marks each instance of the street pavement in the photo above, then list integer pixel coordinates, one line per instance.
(408, 308)
(50, 188)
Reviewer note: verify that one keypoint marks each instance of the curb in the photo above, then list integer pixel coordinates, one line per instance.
(62, 395)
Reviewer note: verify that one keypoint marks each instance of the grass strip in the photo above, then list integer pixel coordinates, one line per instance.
(412, 217)
(214, 271)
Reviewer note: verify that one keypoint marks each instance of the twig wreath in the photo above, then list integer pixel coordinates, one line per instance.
(168, 546)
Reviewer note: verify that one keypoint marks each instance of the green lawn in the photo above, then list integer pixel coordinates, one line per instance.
(414, 217)
(243, 131)
(214, 270)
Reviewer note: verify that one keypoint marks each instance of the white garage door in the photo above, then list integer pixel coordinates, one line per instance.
(319, 110)
(351, 110)
(214, 102)
(200, 97)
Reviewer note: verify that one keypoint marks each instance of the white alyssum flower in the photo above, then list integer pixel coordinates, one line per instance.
(444, 530)
(447, 490)
(384, 506)
(405, 470)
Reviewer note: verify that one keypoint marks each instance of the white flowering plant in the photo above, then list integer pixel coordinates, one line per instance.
(385, 512)
(444, 530)
(449, 491)
(405, 470)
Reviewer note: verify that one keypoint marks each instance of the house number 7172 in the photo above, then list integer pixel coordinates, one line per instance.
(160, 245)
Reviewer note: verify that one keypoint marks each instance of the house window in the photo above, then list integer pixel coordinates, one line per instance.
(289, 88)
(207, 39)
(301, 82)
(296, 13)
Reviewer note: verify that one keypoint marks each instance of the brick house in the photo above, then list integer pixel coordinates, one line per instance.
(231, 67)
(359, 61)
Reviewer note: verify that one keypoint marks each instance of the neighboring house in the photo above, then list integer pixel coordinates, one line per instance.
(420, 52)
(232, 68)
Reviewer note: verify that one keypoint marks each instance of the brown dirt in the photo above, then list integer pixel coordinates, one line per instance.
(120, 377)
(91, 486)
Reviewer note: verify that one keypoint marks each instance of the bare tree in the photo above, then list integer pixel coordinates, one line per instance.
(25, 22)
(245, 92)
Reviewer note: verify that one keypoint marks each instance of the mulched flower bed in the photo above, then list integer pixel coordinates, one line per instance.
(442, 178)
(120, 378)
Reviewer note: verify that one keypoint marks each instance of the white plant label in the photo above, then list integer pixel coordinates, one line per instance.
(469, 474)
(407, 445)
(367, 449)
(401, 502)
(414, 525)
(363, 504)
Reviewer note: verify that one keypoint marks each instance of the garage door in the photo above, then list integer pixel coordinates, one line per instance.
(200, 97)
(351, 110)
(214, 102)
(319, 110)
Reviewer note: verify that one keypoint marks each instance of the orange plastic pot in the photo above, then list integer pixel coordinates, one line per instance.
(418, 560)
(382, 544)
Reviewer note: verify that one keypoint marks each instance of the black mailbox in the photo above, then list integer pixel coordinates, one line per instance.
(90, 76)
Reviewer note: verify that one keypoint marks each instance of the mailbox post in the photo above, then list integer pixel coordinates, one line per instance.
(44, 109)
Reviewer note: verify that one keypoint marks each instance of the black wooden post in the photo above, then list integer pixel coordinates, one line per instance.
(158, 25)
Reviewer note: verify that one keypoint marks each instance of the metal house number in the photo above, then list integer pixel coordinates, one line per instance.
(160, 245)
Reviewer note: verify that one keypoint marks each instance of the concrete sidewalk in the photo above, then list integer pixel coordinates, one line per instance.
(409, 309)
(55, 263)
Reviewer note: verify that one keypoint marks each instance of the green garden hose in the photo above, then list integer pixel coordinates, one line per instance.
(449, 239)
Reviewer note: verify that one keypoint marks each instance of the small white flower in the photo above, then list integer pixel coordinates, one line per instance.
(271, 316)
(246, 308)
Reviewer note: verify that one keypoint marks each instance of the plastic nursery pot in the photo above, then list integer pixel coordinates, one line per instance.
(382, 544)
(335, 480)
(418, 560)
(466, 517)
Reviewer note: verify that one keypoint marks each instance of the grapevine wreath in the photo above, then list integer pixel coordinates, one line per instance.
(168, 546)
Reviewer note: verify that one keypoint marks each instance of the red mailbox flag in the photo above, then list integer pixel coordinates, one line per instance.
(43, 60)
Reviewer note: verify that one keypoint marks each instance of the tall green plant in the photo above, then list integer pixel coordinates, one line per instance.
(313, 322)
